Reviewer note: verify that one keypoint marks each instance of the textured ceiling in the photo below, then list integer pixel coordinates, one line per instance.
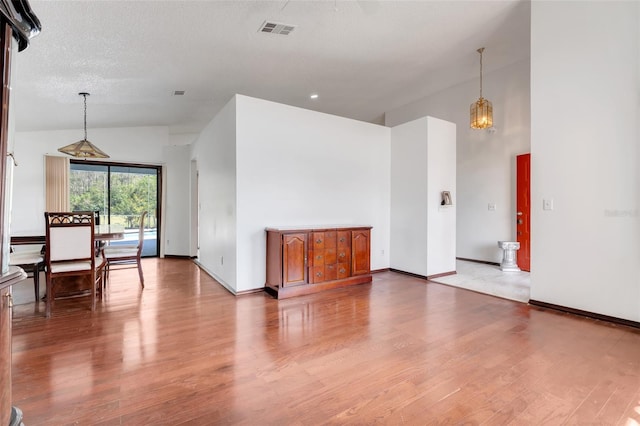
(361, 57)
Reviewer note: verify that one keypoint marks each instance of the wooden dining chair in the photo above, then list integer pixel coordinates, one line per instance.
(70, 252)
(117, 255)
(32, 262)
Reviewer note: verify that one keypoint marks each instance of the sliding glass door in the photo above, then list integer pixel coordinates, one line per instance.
(120, 193)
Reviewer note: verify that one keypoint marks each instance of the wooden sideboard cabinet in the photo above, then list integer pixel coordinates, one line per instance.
(305, 261)
(13, 276)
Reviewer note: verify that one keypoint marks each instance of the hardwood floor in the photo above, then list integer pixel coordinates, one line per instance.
(399, 350)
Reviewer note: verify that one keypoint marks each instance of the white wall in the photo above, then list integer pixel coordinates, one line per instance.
(177, 207)
(585, 156)
(409, 201)
(141, 145)
(441, 176)
(485, 161)
(183, 138)
(137, 145)
(423, 164)
(194, 206)
(298, 168)
(215, 156)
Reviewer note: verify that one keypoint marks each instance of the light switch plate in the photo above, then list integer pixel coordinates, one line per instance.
(547, 204)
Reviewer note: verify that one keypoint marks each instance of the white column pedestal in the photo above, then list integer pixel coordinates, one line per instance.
(509, 248)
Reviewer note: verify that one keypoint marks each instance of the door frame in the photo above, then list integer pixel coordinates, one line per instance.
(523, 212)
(159, 200)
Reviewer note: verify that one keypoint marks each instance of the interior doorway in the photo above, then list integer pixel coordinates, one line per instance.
(120, 192)
(523, 209)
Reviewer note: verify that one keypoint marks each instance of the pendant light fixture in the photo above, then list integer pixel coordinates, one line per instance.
(83, 148)
(481, 110)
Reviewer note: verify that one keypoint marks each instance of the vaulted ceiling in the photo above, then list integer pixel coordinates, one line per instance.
(362, 58)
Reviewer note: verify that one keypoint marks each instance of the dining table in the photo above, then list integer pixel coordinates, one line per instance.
(108, 232)
(30, 255)
(104, 232)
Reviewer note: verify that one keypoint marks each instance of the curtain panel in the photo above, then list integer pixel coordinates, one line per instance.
(56, 184)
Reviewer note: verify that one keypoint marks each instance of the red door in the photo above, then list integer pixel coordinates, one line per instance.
(523, 208)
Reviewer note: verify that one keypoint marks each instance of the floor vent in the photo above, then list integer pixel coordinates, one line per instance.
(276, 28)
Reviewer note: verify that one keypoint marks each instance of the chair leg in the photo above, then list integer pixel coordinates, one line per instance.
(93, 290)
(140, 273)
(50, 297)
(98, 284)
(36, 281)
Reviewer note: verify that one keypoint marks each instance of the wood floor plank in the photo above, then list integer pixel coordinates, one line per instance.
(400, 350)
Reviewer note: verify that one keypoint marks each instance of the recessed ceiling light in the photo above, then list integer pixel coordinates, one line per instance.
(313, 96)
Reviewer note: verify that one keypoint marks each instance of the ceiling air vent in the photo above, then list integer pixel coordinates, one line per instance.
(276, 28)
(178, 93)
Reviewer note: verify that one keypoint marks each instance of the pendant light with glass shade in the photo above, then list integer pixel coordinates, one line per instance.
(481, 110)
(83, 148)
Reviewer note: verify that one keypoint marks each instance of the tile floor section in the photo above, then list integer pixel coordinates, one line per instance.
(489, 279)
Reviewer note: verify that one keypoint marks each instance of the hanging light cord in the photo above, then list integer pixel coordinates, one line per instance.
(85, 112)
(479, 51)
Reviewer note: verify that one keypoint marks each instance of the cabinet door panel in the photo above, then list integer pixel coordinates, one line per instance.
(5, 356)
(330, 272)
(330, 256)
(317, 274)
(343, 270)
(344, 255)
(330, 239)
(360, 255)
(294, 259)
(344, 239)
(318, 241)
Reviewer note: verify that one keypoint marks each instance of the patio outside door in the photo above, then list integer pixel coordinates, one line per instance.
(120, 192)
